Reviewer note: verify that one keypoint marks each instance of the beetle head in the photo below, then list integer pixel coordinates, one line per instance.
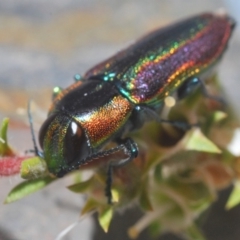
(64, 143)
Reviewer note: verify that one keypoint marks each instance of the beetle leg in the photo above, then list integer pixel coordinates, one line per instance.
(127, 145)
(108, 192)
(207, 95)
(191, 84)
(153, 115)
(131, 150)
(179, 124)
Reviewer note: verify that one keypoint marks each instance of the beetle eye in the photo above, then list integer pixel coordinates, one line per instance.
(75, 147)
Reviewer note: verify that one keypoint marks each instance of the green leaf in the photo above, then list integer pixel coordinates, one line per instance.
(82, 186)
(5, 150)
(33, 168)
(27, 187)
(89, 206)
(234, 198)
(219, 116)
(115, 195)
(105, 217)
(196, 140)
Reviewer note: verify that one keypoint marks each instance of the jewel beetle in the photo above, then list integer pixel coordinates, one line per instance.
(120, 94)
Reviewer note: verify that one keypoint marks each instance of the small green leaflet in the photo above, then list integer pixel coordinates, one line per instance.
(27, 187)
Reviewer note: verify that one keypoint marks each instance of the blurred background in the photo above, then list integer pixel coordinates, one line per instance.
(44, 44)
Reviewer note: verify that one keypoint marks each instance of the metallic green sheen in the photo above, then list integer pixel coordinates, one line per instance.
(53, 144)
(156, 65)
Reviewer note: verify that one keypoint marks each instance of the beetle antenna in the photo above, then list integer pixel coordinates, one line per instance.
(30, 119)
